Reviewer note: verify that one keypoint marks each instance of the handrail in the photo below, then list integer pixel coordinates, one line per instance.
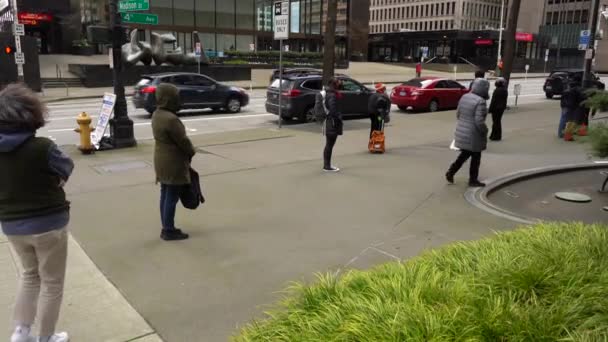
(67, 87)
(430, 60)
(464, 59)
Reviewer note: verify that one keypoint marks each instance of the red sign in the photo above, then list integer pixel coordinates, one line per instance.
(524, 37)
(484, 42)
(28, 18)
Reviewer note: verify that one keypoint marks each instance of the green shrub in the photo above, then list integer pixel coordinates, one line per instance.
(598, 136)
(235, 62)
(597, 100)
(544, 283)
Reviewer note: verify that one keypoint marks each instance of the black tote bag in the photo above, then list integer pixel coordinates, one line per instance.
(192, 194)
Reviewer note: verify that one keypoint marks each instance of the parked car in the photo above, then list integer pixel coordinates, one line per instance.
(196, 92)
(557, 81)
(299, 94)
(428, 93)
(293, 71)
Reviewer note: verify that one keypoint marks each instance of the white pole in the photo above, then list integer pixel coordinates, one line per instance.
(502, 18)
(280, 82)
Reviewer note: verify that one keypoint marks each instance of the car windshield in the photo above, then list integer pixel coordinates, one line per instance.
(286, 84)
(418, 82)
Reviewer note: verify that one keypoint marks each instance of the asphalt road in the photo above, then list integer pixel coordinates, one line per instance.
(62, 116)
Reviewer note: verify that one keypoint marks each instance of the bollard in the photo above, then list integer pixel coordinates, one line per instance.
(84, 128)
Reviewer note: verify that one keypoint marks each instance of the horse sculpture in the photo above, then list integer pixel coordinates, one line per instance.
(137, 51)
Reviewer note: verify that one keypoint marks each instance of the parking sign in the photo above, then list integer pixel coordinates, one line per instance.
(281, 20)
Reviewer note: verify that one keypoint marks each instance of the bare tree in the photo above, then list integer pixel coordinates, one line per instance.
(510, 43)
(329, 51)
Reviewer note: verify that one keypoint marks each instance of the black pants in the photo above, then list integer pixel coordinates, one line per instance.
(496, 126)
(462, 158)
(330, 141)
(376, 124)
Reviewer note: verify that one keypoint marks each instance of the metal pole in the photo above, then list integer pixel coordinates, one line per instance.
(593, 31)
(500, 29)
(20, 77)
(280, 83)
(121, 126)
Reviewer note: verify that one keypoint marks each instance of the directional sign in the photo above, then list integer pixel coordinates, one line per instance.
(584, 40)
(133, 5)
(281, 20)
(139, 18)
(198, 49)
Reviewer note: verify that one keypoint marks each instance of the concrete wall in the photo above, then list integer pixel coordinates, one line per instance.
(531, 16)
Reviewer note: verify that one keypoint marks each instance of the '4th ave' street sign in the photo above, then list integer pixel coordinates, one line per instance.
(139, 18)
(133, 5)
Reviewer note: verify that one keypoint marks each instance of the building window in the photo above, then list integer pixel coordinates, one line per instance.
(183, 12)
(244, 19)
(225, 16)
(164, 10)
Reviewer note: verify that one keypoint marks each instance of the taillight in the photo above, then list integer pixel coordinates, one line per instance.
(148, 90)
(292, 93)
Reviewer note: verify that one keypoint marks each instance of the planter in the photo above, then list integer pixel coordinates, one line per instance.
(83, 50)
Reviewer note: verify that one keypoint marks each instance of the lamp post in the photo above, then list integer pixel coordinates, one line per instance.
(502, 19)
(121, 126)
(593, 23)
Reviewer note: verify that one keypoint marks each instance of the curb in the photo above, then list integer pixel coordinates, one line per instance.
(88, 97)
(479, 197)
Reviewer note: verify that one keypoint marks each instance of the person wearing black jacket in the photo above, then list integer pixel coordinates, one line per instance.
(333, 125)
(498, 107)
(379, 107)
(570, 103)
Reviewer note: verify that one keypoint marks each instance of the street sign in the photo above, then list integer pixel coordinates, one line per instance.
(3, 4)
(281, 20)
(425, 51)
(589, 54)
(547, 55)
(105, 113)
(139, 18)
(19, 30)
(527, 67)
(197, 49)
(133, 5)
(517, 89)
(584, 40)
(19, 58)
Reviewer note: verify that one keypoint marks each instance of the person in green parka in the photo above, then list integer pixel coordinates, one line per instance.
(173, 154)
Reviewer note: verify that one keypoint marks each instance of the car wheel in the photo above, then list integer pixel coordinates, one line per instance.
(308, 115)
(549, 95)
(403, 108)
(433, 106)
(233, 105)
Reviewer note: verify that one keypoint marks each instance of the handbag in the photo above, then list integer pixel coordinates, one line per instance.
(192, 194)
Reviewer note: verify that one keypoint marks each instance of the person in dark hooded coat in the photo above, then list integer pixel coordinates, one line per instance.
(173, 152)
(471, 131)
(498, 107)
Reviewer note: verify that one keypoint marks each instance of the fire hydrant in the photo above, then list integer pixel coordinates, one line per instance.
(84, 123)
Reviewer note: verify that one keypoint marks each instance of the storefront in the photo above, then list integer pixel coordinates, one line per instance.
(43, 28)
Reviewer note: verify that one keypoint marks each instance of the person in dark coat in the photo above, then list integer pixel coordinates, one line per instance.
(570, 104)
(34, 213)
(333, 125)
(173, 152)
(498, 107)
(379, 108)
(478, 74)
(471, 131)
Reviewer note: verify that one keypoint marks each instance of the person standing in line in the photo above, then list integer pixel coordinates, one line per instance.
(471, 131)
(173, 153)
(34, 212)
(478, 74)
(379, 108)
(333, 125)
(570, 102)
(498, 105)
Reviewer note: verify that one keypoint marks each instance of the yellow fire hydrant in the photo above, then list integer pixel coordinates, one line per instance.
(84, 123)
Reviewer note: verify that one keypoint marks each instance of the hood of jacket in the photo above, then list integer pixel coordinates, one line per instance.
(481, 87)
(10, 141)
(167, 97)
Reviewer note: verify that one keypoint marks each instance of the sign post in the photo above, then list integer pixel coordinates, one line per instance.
(281, 32)
(18, 32)
(198, 51)
(584, 40)
(527, 69)
(546, 60)
(517, 93)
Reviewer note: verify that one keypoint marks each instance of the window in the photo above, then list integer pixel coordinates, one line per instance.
(350, 85)
(201, 81)
(225, 14)
(312, 84)
(182, 80)
(454, 85)
(244, 18)
(182, 10)
(441, 85)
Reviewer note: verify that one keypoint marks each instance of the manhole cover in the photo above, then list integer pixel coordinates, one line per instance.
(121, 167)
(573, 197)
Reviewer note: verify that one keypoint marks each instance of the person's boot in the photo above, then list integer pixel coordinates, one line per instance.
(476, 184)
(449, 177)
(173, 235)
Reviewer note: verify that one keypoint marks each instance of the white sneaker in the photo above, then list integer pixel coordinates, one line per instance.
(22, 334)
(57, 337)
(332, 169)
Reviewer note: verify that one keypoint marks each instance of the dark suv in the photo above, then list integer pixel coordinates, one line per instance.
(195, 91)
(558, 81)
(299, 94)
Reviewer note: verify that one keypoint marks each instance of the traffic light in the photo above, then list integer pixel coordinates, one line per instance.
(9, 50)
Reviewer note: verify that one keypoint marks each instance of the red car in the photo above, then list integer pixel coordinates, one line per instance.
(428, 93)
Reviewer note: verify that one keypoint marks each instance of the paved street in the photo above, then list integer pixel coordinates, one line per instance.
(62, 115)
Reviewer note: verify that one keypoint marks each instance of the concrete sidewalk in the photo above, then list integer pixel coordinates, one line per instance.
(273, 217)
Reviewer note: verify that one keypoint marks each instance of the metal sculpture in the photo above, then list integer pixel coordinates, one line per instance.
(137, 51)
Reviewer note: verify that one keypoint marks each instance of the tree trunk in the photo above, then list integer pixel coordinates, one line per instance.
(329, 49)
(510, 40)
